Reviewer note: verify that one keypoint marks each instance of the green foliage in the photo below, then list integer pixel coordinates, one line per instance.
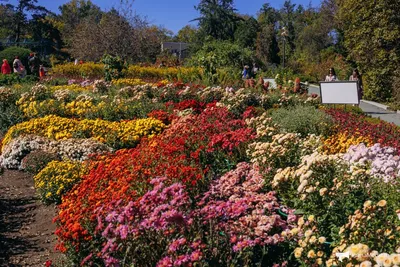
(371, 30)
(246, 33)
(219, 54)
(217, 18)
(37, 160)
(113, 67)
(10, 53)
(303, 120)
(10, 79)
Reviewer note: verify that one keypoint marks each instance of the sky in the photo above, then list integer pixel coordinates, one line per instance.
(175, 14)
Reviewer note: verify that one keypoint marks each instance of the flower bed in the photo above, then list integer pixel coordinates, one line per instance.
(115, 134)
(237, 178)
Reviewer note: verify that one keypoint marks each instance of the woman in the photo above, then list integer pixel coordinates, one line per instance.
(331, 77)
(5, 68)
(357, 77)
(18, 67)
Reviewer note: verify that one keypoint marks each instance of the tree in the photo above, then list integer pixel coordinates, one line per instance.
(267, 47)
(7, 14)
(218, 19)
(20, 18)
(371, 36)
(246, 33)
(187, 34)
(287, 16)
(74, 13)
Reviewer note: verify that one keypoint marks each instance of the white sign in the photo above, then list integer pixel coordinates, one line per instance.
(272, 83)
(342, 92)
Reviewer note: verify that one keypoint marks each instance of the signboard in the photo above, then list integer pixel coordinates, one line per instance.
(341, 92)
(272, 83)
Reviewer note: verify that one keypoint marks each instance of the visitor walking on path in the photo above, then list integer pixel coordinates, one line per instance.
(331, 77)
(5, 68)
(357, 77)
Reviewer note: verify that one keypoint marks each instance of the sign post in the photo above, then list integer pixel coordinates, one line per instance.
(341, 92)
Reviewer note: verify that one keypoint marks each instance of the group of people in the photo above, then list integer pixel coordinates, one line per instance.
(35, 66)
(355, 76)
(248, 73)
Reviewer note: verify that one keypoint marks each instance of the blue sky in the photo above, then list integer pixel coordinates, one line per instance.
(174, 14)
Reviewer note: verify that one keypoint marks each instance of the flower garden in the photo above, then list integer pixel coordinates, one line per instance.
(148, 171)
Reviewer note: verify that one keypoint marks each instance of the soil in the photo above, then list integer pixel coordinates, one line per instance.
(26, 229)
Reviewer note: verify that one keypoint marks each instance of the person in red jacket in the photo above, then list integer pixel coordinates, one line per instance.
(5, 68)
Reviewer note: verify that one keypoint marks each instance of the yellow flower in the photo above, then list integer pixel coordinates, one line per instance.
(395, 258)
(313, 239)
(322, 240)
(311, 254)
(298, 252)
(308, 233)
(294, 231)
(311, 218)
(381, 203)
(319, 261)
(323, 191)
(367, 204)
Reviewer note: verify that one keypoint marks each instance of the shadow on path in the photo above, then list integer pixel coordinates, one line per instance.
(15, 216)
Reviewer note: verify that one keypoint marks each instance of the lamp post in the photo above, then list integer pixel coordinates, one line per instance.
(284, 34)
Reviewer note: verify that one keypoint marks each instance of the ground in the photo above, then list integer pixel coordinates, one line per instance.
(26, 229)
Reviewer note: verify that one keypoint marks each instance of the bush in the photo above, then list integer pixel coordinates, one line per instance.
(37, 160)
(57, 178)
(10, 53)
(303, 120)
(87, 70)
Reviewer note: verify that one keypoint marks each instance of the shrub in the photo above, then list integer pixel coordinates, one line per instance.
(113, 67)
(10, 53)
(88, 70)
(116, 134)
(303, 120)
(35, 161)
(57, 179)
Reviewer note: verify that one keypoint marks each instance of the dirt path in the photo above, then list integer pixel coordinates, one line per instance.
(26, 228)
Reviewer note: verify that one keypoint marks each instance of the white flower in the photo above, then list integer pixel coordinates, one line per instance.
(342, 256)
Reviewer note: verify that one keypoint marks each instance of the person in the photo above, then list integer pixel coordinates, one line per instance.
(5, 68)
(355, 76)
(255, 70)
(246, 72)
(331, 77)
(18, 67)
(42, 73)
(34, 64)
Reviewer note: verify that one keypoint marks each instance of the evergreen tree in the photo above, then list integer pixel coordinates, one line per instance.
(218, 19)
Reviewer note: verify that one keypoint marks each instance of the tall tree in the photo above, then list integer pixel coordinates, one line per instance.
(20, 18)
(267, 47)
(217, 19)
(371, 35)
(75, 12)
(7, 14)
(287, 16)
(246, 33)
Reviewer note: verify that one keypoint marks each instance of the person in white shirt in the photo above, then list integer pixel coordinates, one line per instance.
(331, 77)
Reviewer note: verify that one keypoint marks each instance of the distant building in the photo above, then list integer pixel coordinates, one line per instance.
(178, 49)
